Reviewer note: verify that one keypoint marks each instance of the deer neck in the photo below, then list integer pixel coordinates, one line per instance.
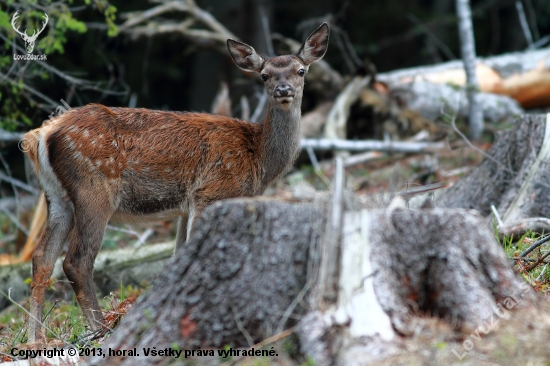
(280, 141)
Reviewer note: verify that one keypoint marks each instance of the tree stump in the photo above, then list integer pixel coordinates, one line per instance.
(234, 284)
(516, 177)
(251, 263)
(399, 265)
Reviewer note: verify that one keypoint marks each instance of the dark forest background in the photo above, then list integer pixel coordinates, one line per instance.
(169, 72)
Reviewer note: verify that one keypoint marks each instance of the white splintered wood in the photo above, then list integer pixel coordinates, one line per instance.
(356, 298)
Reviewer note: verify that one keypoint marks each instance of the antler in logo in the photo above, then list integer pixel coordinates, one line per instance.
(29, 40)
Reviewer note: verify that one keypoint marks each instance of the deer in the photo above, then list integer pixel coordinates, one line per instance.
(98, 164)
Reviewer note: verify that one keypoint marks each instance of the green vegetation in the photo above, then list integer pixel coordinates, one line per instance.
(22, 87)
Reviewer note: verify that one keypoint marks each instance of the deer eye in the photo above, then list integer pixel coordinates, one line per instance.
(265, 77)
(301, 72)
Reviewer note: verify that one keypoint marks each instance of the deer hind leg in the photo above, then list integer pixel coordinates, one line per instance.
(91, 218)
(59, 223)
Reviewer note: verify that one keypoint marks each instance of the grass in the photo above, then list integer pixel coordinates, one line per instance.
(538, 277)
(63, 320)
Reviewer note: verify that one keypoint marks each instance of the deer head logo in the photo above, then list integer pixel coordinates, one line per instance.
(29, 40)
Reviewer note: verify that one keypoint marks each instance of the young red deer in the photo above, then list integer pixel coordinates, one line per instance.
(97, 163)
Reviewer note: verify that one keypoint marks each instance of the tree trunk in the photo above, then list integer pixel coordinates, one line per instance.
(515, 179)
(468, 48)
(250, 263)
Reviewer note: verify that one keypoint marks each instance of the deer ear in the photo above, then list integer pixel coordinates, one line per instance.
(244, 56)
(315, 46)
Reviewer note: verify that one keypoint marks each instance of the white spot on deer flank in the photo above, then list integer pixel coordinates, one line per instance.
(70, 143)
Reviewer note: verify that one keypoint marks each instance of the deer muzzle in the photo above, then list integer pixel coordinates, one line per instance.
(284, 93)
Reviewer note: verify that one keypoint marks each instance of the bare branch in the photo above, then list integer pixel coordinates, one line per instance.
(375, 145)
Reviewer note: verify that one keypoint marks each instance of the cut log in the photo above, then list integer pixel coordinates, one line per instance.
(506, 82)
(524, 76)
(432, 100)
(514, 177)
(248, 267)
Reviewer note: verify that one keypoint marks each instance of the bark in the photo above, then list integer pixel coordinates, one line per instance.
(235, 282)
(515, 178)
(249, 265)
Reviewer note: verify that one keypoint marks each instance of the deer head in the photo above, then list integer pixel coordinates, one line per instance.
(283, 76)
(29, 40)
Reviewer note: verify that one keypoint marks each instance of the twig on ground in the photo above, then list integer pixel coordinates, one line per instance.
(535, 245)
(8, 296)
(122, 230)
(143, 237)
(539, 261)
(538, 224)
(497, 216)
(317, 166)
(362, 158)
(241, 327)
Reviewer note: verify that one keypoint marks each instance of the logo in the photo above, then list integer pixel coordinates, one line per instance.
(29, 40)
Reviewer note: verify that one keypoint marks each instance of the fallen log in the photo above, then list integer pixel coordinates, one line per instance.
(372, 145)
(524, 76)
(507, 84)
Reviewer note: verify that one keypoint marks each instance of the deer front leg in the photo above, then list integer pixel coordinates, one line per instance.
(181, 235)
(58, 225)
(196, 207)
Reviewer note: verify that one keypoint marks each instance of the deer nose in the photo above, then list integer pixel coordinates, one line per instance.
(284, 90)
